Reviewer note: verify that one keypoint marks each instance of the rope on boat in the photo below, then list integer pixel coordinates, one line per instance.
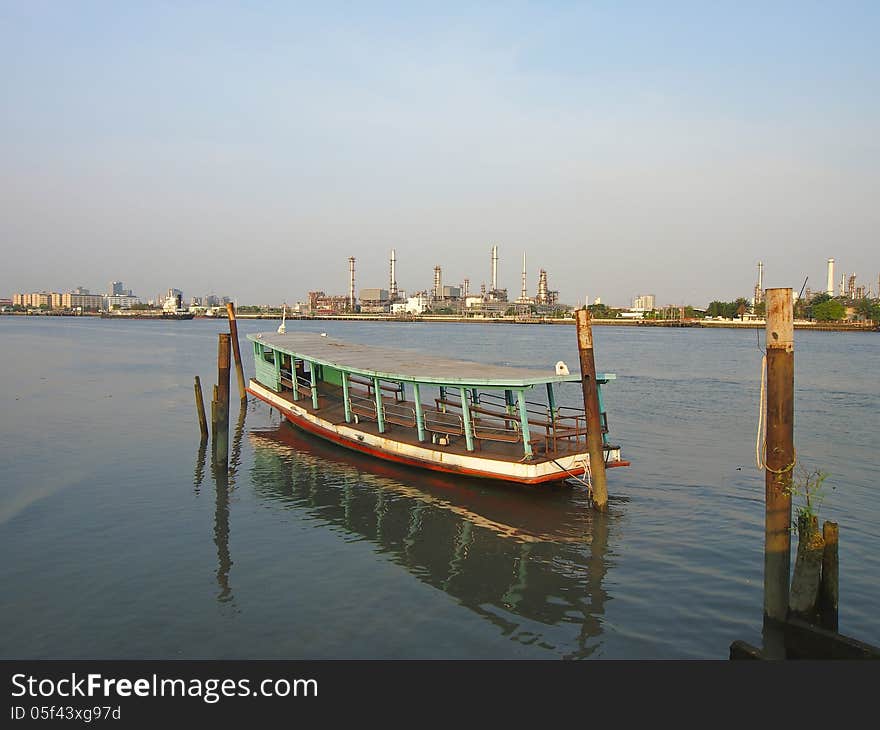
(761, 436)
(587, 482)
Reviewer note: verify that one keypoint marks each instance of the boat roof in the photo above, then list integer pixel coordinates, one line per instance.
(409, 365)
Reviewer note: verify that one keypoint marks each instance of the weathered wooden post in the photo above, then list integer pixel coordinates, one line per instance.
(807, 577)
(221, 435)
(236, 352)
(779, 459)
(591, 409)
(200, 408)
(829, 588)
(214, 415)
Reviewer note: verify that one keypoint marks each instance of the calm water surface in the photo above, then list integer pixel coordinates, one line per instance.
(120, 542)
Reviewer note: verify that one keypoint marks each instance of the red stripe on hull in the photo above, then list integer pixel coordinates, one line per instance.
(363, 448)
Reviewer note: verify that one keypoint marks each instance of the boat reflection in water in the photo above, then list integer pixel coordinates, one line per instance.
(532, 563)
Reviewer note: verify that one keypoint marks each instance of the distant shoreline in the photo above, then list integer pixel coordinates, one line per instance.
(676, 324)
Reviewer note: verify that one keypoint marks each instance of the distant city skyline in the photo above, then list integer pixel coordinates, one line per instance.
(249, 151)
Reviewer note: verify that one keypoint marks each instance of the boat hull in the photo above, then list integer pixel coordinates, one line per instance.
(382, 447)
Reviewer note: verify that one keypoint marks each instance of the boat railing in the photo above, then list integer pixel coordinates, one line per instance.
(567, 431)
(363, 406)
(534, 407)
(286, 378)
(394, 388)
(303, 385)
(400, 414)
(445, 423)
(495, 427)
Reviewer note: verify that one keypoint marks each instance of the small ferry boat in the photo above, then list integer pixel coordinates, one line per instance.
(425, 411)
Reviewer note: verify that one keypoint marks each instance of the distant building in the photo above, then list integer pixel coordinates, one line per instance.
(643, 302)
(375, 301)
(36, 300)
(120, 301)
(321, 303)
(417, 304)
(74, 300)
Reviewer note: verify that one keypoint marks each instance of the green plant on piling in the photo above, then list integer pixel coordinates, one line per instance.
(810, 488)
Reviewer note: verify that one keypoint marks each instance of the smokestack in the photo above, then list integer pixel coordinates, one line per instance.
(542, 287)
(830, 287)
(465, 287)
(759, 287)
(494, 268)
(438, 282)
(351, 283)
(525, 292)
(392, 285)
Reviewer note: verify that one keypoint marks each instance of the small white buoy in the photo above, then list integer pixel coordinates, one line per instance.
(562, 368)
(323, 334)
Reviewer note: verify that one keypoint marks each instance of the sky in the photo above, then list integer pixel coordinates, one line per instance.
(248, 149)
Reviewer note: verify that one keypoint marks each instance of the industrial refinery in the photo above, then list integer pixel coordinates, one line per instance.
(438, 298)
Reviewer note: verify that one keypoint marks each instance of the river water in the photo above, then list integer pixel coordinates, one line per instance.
(119, 541)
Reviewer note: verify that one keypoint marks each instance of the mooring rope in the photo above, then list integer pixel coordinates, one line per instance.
(588, 482)
(761, 436)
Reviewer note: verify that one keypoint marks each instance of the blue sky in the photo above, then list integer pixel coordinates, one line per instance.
(249, 148)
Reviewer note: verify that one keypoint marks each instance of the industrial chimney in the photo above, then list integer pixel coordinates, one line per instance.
(351, 283)
(438, 282)
(524, 294)
(494, 268)
(392, 284)
(830, 287)
(543, 296)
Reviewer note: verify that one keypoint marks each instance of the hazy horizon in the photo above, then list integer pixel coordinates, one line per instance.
(249, 150)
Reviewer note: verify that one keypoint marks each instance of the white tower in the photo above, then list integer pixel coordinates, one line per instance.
(524, 294)
(438, 282)
(829, 289)
(392, 284)
(351, 283)
(759, 287)
(494, 268)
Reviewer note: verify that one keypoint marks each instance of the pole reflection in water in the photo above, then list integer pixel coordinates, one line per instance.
(224, 482)
(521, 560)
(235, 456)
(199, 471)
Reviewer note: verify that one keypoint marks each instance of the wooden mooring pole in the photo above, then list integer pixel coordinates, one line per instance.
(829, 587)
(221, 433)
(591, 409)
(200, 408)
(779, 459)
(236, 352)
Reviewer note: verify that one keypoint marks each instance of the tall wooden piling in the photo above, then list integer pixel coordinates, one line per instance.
(221, 434)
(829, 587)
(200, 408)
(779, 459)
(236, 352)
(591, 409)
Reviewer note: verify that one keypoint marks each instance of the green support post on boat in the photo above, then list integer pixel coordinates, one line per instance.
(314, 373)
(346, 396)
(524, 422)
(420, 415)
(466, 419)
(380, 411)
(551, 400)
